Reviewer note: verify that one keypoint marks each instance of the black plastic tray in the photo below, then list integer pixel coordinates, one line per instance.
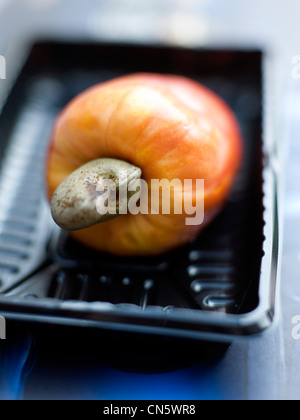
(216, 289)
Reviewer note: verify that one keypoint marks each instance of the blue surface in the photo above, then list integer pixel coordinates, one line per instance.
(102, 383)
(15, 367)
(250, 370)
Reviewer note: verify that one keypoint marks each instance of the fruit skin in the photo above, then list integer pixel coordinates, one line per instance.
(169, 126)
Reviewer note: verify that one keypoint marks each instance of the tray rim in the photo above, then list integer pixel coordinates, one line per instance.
(239, 325)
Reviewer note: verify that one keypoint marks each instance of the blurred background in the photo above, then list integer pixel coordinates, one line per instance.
(267, 367)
